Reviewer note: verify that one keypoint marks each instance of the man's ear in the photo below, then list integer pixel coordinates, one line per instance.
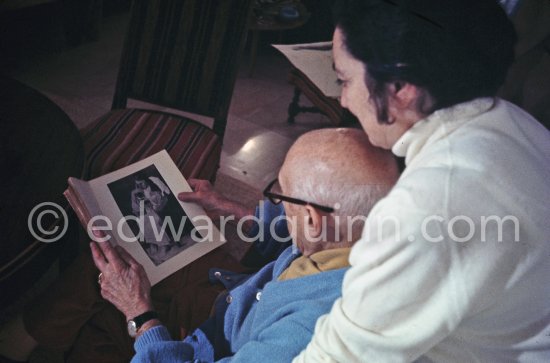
(314, 221)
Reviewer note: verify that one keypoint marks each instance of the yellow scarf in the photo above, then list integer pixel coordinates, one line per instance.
(326, 260)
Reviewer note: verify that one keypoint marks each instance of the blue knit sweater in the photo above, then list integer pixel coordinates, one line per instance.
(262, 319)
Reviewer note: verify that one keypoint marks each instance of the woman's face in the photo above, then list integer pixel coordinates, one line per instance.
(356, 97)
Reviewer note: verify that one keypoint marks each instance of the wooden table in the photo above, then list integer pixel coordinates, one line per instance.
(40, 148)
(266, 19)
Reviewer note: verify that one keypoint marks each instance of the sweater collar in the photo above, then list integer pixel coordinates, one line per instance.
(437, 125)
(322, 261)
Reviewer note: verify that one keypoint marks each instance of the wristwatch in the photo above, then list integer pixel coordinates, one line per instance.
(136, 323)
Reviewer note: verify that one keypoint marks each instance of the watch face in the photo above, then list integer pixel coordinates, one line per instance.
(132, 328)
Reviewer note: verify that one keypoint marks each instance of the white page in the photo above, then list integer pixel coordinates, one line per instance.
(102, 190)
(315, 61)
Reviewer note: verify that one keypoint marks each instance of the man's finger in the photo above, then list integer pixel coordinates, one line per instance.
(141, 271)
(106, 294)
(191, 197)
(194, 183)
(126, 256)
(111, 255)
(98, 233)
(98, 257)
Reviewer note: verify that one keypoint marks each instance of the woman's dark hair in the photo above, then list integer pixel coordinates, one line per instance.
(456, 50)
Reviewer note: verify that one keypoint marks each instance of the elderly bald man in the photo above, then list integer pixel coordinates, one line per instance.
(328, 178)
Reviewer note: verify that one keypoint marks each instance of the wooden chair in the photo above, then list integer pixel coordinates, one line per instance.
(321, 104)
(181, 54)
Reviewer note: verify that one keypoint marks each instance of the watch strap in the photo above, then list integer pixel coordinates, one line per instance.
(145, 317)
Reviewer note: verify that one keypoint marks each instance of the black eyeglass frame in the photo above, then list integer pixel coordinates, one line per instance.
(278, 198)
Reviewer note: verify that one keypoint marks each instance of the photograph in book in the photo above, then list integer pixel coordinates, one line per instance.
(161, 226)
(136, 208)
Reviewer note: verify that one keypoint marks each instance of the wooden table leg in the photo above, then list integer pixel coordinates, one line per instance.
(253, 51)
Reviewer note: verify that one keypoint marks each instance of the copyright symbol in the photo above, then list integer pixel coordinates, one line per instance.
(52, 232)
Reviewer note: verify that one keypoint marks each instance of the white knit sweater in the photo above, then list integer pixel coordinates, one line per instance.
(431, 279)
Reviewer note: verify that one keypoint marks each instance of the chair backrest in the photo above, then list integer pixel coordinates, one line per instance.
(183, 54)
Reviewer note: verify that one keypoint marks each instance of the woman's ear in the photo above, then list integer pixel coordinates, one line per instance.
(397, 86)
(406, 103)
(403, 94)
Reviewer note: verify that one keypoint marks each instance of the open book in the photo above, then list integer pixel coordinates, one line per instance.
(137, 208)
(315, 61)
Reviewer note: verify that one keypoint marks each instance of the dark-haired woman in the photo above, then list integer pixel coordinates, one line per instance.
(453, 265)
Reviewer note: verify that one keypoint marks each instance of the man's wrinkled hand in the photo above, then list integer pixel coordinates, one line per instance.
(214, 203)
(123, 282)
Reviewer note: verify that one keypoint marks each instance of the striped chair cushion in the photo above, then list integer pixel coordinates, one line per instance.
(122, 137)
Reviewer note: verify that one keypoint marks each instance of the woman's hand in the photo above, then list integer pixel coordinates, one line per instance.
(123, 281)
(214, 203)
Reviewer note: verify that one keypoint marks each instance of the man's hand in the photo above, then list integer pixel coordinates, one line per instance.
(124, 282)
(214, 203)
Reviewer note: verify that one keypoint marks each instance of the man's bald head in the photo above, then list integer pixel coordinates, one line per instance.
(338, 168)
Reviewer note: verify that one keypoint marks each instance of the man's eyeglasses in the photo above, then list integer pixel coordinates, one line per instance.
(277, 198)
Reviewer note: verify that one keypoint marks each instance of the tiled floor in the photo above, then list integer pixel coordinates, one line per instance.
(81, 81)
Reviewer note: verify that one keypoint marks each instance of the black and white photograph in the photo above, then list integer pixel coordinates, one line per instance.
(153, 214)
